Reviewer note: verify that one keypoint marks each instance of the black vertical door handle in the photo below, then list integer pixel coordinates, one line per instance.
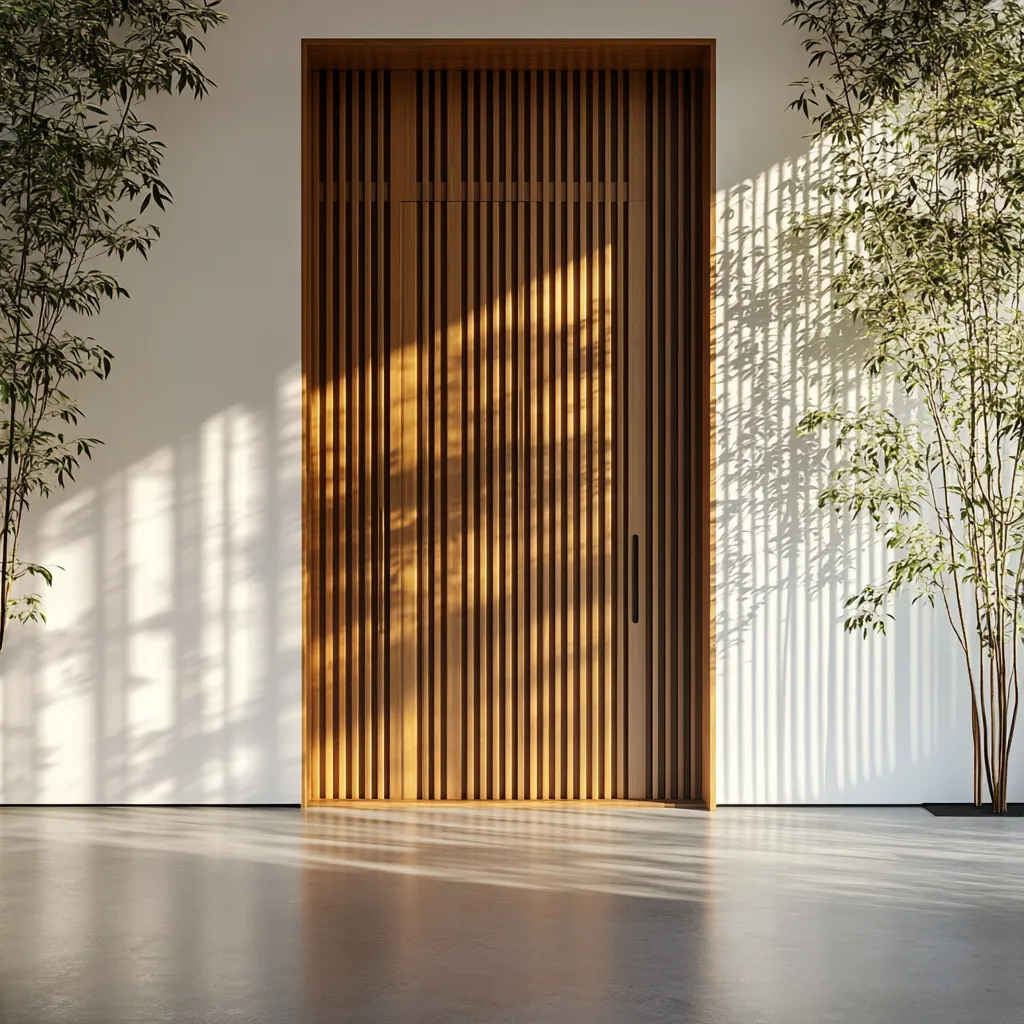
(385, 581)
(636, 578)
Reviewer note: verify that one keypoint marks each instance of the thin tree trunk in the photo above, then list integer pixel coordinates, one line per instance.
(976, 731)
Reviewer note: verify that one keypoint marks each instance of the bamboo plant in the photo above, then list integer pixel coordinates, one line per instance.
(78, 169)
(919, 106)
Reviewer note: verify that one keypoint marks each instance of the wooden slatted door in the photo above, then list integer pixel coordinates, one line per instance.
(502, 446)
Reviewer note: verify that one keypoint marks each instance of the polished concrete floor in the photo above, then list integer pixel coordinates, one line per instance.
(426, 914)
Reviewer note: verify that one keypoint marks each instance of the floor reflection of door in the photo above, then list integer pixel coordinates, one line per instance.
(499, 500)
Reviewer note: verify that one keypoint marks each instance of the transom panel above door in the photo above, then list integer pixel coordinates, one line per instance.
(503, 443)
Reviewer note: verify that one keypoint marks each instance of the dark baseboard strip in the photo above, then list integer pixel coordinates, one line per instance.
(970, 811)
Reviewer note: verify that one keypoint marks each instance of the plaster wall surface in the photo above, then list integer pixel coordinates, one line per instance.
(169, 669)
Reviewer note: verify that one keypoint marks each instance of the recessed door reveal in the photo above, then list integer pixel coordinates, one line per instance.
(503, 447)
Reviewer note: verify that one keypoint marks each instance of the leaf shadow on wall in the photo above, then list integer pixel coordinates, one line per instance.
(807, 713)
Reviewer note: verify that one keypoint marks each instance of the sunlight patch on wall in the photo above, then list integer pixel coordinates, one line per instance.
(64, 705)
(162, 674)
(286, 665)
(247, 497)
(213, 571)
(234, 660)
(150, 554)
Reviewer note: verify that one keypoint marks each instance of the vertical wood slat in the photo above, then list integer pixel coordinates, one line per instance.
(482, 215)
(471, 617)
(673, 454)
(565, 369)
(519, 460)
(519, 487)
(369, 482)
(331, 531)
(621, 537)
(508, 574)
(356, 538)
(702, 478)
(381, 455)
(474, 391)
(595, 655)
(559, 549)
(675, 444)
(424, 453)
(347, 502)
(635, 345)
(539, 681)
(688, 425)
(439, 391)
(527, 688)
(534, 498)
(636, 558)
(694, 571)
(492, 435)
(571, 510)
(316, 446)
(356, 476)
(655, 428)
(402, 518)
(408, 504)
(582, 469)
(310, 204)
(608, 464)
(342, 433)
(455, 191)
(482, 384)
(494, 422)
(453, 497)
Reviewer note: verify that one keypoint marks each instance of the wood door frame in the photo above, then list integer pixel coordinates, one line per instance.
(538, 54)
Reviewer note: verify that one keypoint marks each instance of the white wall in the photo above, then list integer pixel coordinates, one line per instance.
(169, 670)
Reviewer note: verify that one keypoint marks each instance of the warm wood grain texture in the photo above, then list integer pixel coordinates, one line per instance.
(348, 426)
(506, 377)
(676, 418)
